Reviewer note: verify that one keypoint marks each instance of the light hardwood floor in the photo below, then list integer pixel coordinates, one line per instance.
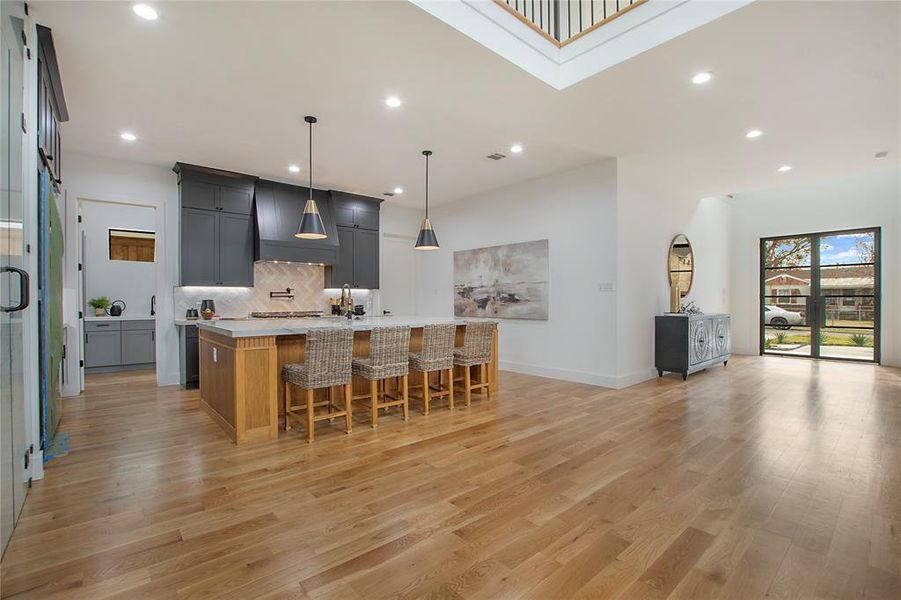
(774, 477)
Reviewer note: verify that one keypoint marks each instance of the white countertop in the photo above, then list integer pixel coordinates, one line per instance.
(122, 318)
(264, 327)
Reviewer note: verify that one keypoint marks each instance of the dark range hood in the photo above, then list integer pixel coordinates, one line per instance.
(278, 210)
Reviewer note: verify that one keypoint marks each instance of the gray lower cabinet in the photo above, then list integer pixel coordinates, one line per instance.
(119, 343)
(138, 347)
(102, 348)
(689, 343)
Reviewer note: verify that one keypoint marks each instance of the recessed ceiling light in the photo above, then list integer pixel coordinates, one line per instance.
(398, 190)
(753, 133)
(145, 11)
(515, 148)
(880, 155)
(702, 77)
(294, 168)
(784, 168)
(128, 136)
(393, 101)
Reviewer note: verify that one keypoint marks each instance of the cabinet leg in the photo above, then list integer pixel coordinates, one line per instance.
(684, 375)
(659, 373)
(725, 362)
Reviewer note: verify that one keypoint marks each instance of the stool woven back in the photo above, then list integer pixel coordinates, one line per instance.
(437, 350)
(389, 345)
(328, 355)
(477, 340)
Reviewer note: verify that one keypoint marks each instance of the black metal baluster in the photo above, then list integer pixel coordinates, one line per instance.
(557, 20)
(580, 17)
(592, 12)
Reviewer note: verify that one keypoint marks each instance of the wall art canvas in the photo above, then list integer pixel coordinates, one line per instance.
(506, 282)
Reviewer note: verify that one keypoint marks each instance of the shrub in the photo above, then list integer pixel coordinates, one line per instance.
(859, 339)
(102, 302)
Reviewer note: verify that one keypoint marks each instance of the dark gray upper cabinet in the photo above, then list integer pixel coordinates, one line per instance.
(212, 189)
(355, 211)
(217, 226)
(358, 259)
(235, 250)
(236, 200)
(199, 247)
(199, 194)
(366, 259)
(343, 271)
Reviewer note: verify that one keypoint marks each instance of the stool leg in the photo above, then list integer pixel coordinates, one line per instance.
(287, 406)
(450, 388)
(467, 385)
(482, 379)
(329, 398)
(374, 394)
(404, 386)
(487, 382)
(426, 391)
(348, 420)
(309, 415)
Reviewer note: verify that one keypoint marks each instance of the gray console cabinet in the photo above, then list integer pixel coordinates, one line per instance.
(689, 343)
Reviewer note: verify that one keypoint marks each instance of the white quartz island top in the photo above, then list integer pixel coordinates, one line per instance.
(267, 327)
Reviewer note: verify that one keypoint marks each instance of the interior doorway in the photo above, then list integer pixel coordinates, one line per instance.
(820, 295)
(397, 274)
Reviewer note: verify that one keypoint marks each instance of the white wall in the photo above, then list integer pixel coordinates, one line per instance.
(91, 178)
(650, 214)
(866, 200)
(130, 281)
(576, 212)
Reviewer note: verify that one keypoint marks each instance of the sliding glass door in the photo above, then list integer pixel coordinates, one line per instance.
(819, 295)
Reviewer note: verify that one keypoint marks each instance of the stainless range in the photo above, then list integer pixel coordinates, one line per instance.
(286, 314)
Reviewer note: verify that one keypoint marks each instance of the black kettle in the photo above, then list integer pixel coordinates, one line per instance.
(115, 310)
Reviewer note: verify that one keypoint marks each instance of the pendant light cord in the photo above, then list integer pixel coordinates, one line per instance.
(311, 160)
(426, 186)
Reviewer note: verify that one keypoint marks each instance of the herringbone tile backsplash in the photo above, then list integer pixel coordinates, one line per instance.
(306, 282)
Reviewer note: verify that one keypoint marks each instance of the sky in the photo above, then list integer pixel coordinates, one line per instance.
(842, 249)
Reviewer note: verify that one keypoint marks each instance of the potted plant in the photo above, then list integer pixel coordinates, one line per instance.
(99, 305)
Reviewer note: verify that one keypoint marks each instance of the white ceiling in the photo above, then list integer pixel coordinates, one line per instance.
(227, 85)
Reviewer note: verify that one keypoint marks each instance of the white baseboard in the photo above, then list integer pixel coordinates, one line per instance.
(608, 381)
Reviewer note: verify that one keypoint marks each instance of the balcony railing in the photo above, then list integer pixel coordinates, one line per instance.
(564, 21)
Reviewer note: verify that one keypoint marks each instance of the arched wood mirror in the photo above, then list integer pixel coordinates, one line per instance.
(681, 264)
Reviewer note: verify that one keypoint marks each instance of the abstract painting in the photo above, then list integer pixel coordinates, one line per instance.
(507, 282)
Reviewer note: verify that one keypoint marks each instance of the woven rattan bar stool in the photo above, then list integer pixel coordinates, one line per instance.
(389, 348)
(327, 363)
(436, 354)
(476, 352)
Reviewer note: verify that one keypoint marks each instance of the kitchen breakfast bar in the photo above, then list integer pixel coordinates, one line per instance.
(241, 366)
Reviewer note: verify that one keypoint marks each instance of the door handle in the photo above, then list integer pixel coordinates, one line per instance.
(24, 289)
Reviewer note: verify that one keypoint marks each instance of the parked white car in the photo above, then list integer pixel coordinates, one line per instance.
(781, 318)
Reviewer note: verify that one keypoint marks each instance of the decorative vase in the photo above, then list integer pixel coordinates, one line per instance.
(99, 312)
(675, 298)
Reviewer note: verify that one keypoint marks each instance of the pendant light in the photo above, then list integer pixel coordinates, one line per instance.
(311, 227)
(427, 240)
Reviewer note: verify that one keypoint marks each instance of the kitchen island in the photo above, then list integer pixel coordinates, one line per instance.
(241, 364)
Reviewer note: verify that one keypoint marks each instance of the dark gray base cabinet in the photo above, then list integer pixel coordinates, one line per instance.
(689, 343)
(119, 344)
(189, 356)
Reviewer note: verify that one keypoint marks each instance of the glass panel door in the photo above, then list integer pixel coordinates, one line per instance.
(848, 277)
(786, 275)
(820, 295)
